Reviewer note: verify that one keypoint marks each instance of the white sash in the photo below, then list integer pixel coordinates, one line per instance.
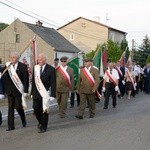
(111, 78)
(17, 82)
(65, 75)
(131, 79)
(119, 71)
(40, 87)
(91, 80)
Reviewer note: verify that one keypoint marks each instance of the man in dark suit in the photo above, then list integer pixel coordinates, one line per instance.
(121, 71)
(14, 95)
(48, 79)
(0, 118)
(147, 79)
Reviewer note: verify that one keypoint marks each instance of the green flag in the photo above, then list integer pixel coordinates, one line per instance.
(97, 58)
(74, 64)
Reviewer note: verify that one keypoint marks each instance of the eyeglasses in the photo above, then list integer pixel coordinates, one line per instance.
(63, 61)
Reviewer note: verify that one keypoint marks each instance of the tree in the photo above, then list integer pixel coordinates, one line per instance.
(3, 26)
(148, 59)
(140, 56)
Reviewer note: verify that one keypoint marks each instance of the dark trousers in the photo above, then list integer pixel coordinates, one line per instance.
(14, 102)
(0, 118)
(73, 97)
(41, 116)
(110, 90)
(122, 88)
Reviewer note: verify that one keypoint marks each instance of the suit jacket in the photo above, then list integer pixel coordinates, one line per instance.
(62, 85)
(122, 69)
(48, 78)
(83, 85)
(147, 73)
(22, 73)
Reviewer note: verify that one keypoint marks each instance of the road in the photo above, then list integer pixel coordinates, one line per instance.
(126, 127)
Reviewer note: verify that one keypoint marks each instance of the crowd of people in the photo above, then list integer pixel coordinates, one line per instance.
(56, 81)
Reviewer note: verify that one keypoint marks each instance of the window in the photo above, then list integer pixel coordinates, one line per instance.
(72, 36)
(17, 38)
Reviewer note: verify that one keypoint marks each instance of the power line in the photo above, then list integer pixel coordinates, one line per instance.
(67, 29)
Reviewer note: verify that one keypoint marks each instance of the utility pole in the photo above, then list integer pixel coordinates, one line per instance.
(132, 55)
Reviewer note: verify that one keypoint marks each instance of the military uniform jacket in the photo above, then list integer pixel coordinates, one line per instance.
(61, 83)
(83, 85)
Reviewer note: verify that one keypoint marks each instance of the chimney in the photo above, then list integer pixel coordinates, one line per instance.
(39, 23)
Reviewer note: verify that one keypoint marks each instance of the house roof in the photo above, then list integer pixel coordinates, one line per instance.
(92, 22)
(53, 38)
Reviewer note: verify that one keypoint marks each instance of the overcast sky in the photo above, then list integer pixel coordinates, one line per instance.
(131, 16)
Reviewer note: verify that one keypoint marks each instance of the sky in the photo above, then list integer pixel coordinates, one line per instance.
(131, 16)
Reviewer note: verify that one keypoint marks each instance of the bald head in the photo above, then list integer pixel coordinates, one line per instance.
(42, 59)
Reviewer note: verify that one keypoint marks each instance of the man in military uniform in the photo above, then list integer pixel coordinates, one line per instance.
(87, 86)
(64, 82)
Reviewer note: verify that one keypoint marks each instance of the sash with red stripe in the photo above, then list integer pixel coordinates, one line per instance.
(119, 71)
(112, 80)
(65, 75)
(91, 80)
(131, 79)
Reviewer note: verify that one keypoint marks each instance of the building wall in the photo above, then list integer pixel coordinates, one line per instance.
(8, 41)
(84, 34)
(116, 36)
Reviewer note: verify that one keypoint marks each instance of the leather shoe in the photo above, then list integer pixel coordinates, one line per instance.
(79, 117)
(39, 126)
(105, 107)
(91, 116)
(114, 106)
(41, 131)
(24, 124)
(9, 129)
(71, 106)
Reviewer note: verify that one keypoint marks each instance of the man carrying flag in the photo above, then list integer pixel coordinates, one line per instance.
(121, 71)
(16, 83)
(110, 85)
(88, 82)
(65, 84)
(43, 91)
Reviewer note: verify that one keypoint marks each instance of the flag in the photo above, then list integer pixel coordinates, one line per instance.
(104, 58)
(29, 57)
(101, 67)
(129, 61)
(97, 58)
(74, 64)
(123, 57)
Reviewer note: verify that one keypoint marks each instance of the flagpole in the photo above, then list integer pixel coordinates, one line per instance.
(75, 56)
(27, 45)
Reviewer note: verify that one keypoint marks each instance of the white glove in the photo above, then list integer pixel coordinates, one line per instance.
(135, 84)
(116, 88)
(52, 98)
(0, 75)
(123, 82)
(103, 89)
(25, 95)
(31, 96)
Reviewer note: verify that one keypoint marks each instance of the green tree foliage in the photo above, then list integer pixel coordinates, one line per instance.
(3, 26)
(148, 59)
(140, 55)
(115, 50)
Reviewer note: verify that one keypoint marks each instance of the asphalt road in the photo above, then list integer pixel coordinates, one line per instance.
(126, 127)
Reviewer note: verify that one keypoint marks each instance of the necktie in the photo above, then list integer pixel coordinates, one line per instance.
(41, 71)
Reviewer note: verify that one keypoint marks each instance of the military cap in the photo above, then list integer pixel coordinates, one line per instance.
(87, 59)
(64, 58)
